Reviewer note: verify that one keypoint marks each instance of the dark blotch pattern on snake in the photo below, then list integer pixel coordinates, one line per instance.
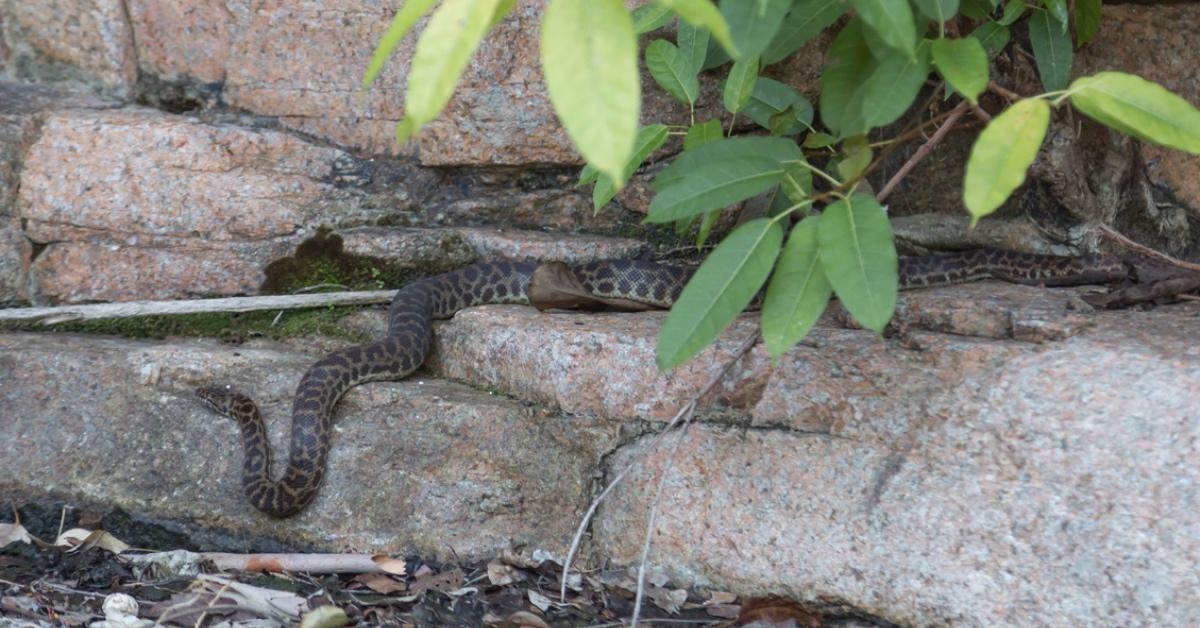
(410, 335)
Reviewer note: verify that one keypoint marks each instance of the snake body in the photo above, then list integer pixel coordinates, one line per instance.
(410, 336)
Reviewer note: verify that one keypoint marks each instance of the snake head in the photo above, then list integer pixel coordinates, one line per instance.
(222, 398)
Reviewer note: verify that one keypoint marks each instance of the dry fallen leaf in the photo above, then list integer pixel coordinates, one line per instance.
(540, 601)
(772, 612)
(380, 583)
(13, 533)
(78, 539)
(500, 574)
(390, 565)
(444, 582)
(328, 616)
(667, 599)
(724, 611)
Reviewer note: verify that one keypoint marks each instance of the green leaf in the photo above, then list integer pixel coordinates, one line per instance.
(405, 18)
(963, 63)
(993, 36)
(700, 134)
(702, 13)
(819, 140)
(1087, 20)
(806, 20)
(589, 58)
(977, 9)
(693, 44)
(721, 288)
(848, 68)
(1138, 107)
(770, 98)
(740, 84)
(798, 292)
(856, 158)
(672, 71)
(796, 183)
(753, 23)
(1001, 155)
(651, 17)
(1051, 50)
(648, 140)
(892, 21)
(502, 10)
(446, 45)
(1013, 11)
(714, 185)
(777, 149)
(706, 227)
(1059, 11)
(938, 10)
(587, 174)
(893, 86)
(859, 258)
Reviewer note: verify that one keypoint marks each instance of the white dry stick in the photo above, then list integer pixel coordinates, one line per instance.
(65, 313)
(310, 563)
(684, 414)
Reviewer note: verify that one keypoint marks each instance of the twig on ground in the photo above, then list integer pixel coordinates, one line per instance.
(66, 313)
(684, 414)
(923, 151)
(1008, 94)
(310, 563)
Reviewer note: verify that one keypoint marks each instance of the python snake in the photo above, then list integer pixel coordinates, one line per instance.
(410, 335)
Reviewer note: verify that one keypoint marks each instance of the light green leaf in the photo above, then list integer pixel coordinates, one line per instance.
(714, 185)
(587, 174)
(648, 140)
(770, 98)
(859, 258)
(706, 227)
(753, 23)
(693, 44)
(806, 20)
(1051, 49)
(1059, 11)
(796, 183)
(672, 71)
(740, 84)
(589, 58)
(938, 10)
(502, 10)
(405, 18)
(798, 292)
(651, 17)
(778, 149)
(963, 63)
(848, 69)
(1001, 155)
(1138, 107)
(447, 43)
(993, 36)
(855, 159)
(819, 140)
(894, 85)
(700, 134)
(702, 13)
(1087, 20)
(721, 288)
(1013, 11)
(892, 21)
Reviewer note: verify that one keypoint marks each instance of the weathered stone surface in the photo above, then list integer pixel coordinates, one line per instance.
(409, 248)
(83, 41)
(134, 203)
(22, 109)
(498, 243)
(417, 466)
(1160, 44)
(182, 39)
(1015, 485)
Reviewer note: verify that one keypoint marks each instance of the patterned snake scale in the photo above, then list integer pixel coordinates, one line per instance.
(410, 335)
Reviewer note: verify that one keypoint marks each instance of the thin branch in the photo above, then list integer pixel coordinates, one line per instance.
(1114, 235)
(65, 313)
(1006, 93)
(309, 563)
(684, 413)
(923, 151)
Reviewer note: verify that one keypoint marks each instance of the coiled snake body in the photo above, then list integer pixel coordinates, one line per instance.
(409, 337)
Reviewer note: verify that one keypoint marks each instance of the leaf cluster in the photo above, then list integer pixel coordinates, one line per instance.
(877, 65)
